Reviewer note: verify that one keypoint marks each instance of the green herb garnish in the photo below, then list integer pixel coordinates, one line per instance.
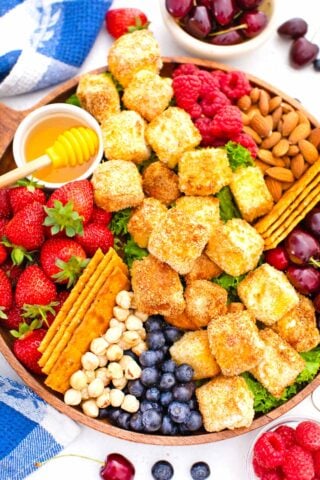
(230, 284)
(119, 222)
(228, 208)
(74, 100)
(238, 156)
(133, 252)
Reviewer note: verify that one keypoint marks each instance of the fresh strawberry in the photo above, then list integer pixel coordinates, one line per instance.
(12, 271)
(63, 260)
(5, 207)
(25, 231)
(61, 298)
(3, 223)
(25, 348)
(70, 207)
(5, 294)
(96, 236)
(124, 20)
(3, 254)
(26, 192)
(100, 216)
(14, 318)
(34, 288)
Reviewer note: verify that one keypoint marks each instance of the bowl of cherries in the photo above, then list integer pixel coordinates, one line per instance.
(219, 29)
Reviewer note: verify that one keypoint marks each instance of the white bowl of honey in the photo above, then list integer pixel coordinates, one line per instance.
(40, 129)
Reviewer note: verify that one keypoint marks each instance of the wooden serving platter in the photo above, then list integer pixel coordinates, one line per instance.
(9, 121)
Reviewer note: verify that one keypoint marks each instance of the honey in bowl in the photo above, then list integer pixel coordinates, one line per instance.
(41, 136)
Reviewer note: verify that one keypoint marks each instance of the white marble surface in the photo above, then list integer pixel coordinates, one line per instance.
(227, 459)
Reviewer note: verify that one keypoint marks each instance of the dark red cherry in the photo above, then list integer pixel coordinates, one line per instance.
(224, 11)
(199, 24)
(277, 257)
(117, 467)
(305, 279)
(303, 52)
(255, 22)
(248, 4)
(293, 28)
(228, 38)
(179, 8)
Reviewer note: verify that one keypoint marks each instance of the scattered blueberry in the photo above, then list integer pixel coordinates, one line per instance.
(168, 366)
(162, 470)
(149, 376)
(200, 471)
(136, 388)
(153, 323)
(151, 420)
(168, 427)
(179, 412)
(149, 358)
(167, 381)
(316, 64)
(184, 373)
(194, 421)
(123, 420)
(183, 392)
(172, 334)
(152, 394)
(156, 340)
(136, 422)
(166, 398)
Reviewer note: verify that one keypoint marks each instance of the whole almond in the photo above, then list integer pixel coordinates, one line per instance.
(271, 141)
(276, 115)
(308, 150)
(274, 103)
(293, 150)
(245, 119)
(280, 173)
(267, 157)
(314, 137)
(286, 107)
(260, 125)
(297, 165)
(253, 110)
(274, 187)
(286, 161)
(301, 132)
(256, 137)
(264, 102)
(255, 95)
(290, 121)
(303, 117)
(263, 166)
(286, 185)
(279, 126)
(281, 148)
(244, 103)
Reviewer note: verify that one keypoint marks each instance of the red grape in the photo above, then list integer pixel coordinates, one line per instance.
(179, 8)
(305, 279)
(277, 257)
(301, 246)
(312, 221)
(224, 11)
(303, 52)
(294, 28)
(199, 22)
(255, 22)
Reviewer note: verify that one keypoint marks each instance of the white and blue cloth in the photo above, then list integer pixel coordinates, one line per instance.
(30, 430)
(44, 42)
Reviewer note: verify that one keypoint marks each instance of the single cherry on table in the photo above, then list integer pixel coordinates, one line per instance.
(117, 467)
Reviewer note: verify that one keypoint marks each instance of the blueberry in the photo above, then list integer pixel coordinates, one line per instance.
(156, 340)
(152, 394)
(136, 422)
(136, 388)
(183, 392)
(149, 376)
(168, 366)
(184, 373)
(172, 334)
(166, 398)
(168, 427)
(153, 323)
(160, 356)
(149, 358)
(178, 411)
(104, 412)
(147, 405)
(200, 471)
(194, 421)
(123, 420)
(130, 353)
(165, 350)
(162, 470)
(151, 420)
(167, 381)
(193, 404)
(114, 414)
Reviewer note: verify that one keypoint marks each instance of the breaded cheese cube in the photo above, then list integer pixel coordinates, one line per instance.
(157, 287)
(133, 52)
(148, 94)
(298, 327)
(205, 210)
(204, 171)
(251, 193)
(124, 137)
(204, 301)
(235, 246)
(203, 269)
(235, 342)
(172, 133)
(234, 307)
(193, 348)
(280, 364)
(117, 185)
(225, 402)
(181, 321)
(144, 219)
(98, 95)
(268, 294)
(178, 240)
(160, 182)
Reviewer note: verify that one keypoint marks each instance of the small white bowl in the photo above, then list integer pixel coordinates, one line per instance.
(41, 114)
(201, 49)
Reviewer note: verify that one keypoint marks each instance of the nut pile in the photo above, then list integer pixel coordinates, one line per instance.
(106, 369)
(287, 143)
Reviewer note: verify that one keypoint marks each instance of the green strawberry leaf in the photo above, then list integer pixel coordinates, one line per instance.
(70, 271)
(62, 217)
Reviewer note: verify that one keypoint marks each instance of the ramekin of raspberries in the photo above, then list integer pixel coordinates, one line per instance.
(288, 450)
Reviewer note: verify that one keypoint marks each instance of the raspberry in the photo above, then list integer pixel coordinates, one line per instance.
(298, 464)
(209, 83)
(203, 124)
(235, 85)
(287, 434)
(272, 476)
(219, 76)
(258, 470)
(308, 435)
(213, 101)
(186, 90)
(185, 69)
(316, 462)
(269, 450)
(227, 122)
(195, 111)
(246, 141)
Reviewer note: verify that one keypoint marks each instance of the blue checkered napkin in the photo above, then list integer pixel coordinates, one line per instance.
(30, 430)
(43, 42)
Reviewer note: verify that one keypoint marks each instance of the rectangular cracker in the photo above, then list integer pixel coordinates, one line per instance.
(94, 324)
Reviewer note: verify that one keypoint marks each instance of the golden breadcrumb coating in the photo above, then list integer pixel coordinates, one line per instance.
(160, 182)
(280, 365)
(204, 301)
(157, 288)
(204, 171)
(235, 342)
(268, 294)
(235, 246)
(251, 193)
(117, 185)
(144, 218)
(203, 269)
(181, 321)
(205, 210)
(235, 307)
(148, 94)
(193, 348)
(98, 95)
(298, 327)
(171, 134)
(178, 240)
(133, 52)
(124, 137)
(225, 402)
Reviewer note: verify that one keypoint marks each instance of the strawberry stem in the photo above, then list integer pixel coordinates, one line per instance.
(39, 464)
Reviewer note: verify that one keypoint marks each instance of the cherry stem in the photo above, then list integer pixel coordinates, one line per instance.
(232, 29)
(314, 262)
(39, 464)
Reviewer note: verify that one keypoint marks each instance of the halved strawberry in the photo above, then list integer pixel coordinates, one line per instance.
(125, 20)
